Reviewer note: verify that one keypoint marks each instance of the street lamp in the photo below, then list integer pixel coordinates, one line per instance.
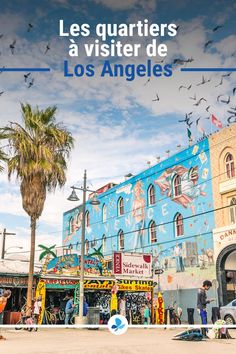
(19, 247)
(94, 201)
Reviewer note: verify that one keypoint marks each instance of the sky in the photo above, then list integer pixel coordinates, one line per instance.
(117, 125)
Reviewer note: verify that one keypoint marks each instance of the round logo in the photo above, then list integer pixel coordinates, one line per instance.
(118, 325)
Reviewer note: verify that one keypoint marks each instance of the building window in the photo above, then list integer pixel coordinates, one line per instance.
(151, 195)
(177, 186)
(153, 232)
(232, 211)
(121, 209)
(87, 219)
(179, 225)
(104, 213)
(104, 244)
(229, 163)
(86, 247)
(121, 240)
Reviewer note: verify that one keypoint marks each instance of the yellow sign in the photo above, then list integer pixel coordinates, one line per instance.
(114, 303)
(41, 291)
(123, 284)
(160, 310)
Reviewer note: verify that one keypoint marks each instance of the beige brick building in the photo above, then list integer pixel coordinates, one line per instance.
(223, 164)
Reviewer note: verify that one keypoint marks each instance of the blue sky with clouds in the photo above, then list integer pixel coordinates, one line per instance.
(117, 125)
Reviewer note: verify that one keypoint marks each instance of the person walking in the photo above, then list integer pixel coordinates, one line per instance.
(69, 309)
(3, 301)
(202, 303)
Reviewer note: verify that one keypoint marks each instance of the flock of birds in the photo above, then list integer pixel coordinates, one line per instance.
(225, 99)
(222, 98)
(28, 79)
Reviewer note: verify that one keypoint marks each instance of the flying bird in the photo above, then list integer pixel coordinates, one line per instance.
(226, 101)
(12, 47)
(157, 98)
(160, 61)
(207, 44)
(187, 87)
(47, 48)
(226, 75)
(148, 80)
(30, 27)
(218, 98)
(199, 101)
(197, 121)
(189, 60)
(31, 83)
(221, 82)
(207, 109)
(234, 90)
(204, 81)
(216, 28)
(26, 76)
(1, 93)
(193, 98)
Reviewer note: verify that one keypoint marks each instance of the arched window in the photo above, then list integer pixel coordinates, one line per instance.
(152, 232)
(104, 213)
(179, 225)
(104, 244)
(71, 225)
(87, 219)
(121, 240)
(86, 247)
(151, 195)
(121, 209)
(229, 164)
(177, 185)
(232, 210)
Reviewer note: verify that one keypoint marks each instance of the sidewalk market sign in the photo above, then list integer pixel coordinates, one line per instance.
(132, 264)
(90, 284)
(69, 265)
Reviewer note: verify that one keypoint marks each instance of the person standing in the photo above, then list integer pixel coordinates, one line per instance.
(122, 306)
(3, 301)
(202, 303)
(69, 309)
(146, 315)
(37, 309)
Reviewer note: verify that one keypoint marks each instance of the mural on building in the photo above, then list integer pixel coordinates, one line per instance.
(69, 265)
(174, 221)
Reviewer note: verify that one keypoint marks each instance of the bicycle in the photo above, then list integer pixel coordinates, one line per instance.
(175, 314)
(26, 320)
(50, 317)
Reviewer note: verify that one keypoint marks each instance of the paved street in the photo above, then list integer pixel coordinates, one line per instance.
(74, 341)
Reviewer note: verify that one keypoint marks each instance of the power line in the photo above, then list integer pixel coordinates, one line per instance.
(146, 228)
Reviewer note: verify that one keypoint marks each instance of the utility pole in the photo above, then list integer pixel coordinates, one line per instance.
(4, 234)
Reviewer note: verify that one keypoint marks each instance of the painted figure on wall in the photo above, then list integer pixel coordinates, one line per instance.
(186, 191)
(178, 258)
(138, 212)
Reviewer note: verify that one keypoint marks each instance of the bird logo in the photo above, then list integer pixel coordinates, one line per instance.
(118, 324)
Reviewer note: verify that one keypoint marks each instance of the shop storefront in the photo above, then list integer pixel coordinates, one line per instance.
(18, 286)
(98, 293)
(225, 253)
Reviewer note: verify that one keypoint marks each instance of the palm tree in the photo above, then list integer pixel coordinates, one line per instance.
(47, 252)
(39, 149)
(98, 253)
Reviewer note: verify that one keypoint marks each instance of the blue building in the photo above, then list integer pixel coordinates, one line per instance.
(166, 210)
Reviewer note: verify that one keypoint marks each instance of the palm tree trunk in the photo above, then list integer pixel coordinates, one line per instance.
(31, 265)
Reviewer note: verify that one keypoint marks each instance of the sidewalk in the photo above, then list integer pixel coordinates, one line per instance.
(140, 341)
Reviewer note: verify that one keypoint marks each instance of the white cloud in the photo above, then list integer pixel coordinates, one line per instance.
(128, 4)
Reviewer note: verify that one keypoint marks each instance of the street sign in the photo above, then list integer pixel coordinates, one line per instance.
(159, 271)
